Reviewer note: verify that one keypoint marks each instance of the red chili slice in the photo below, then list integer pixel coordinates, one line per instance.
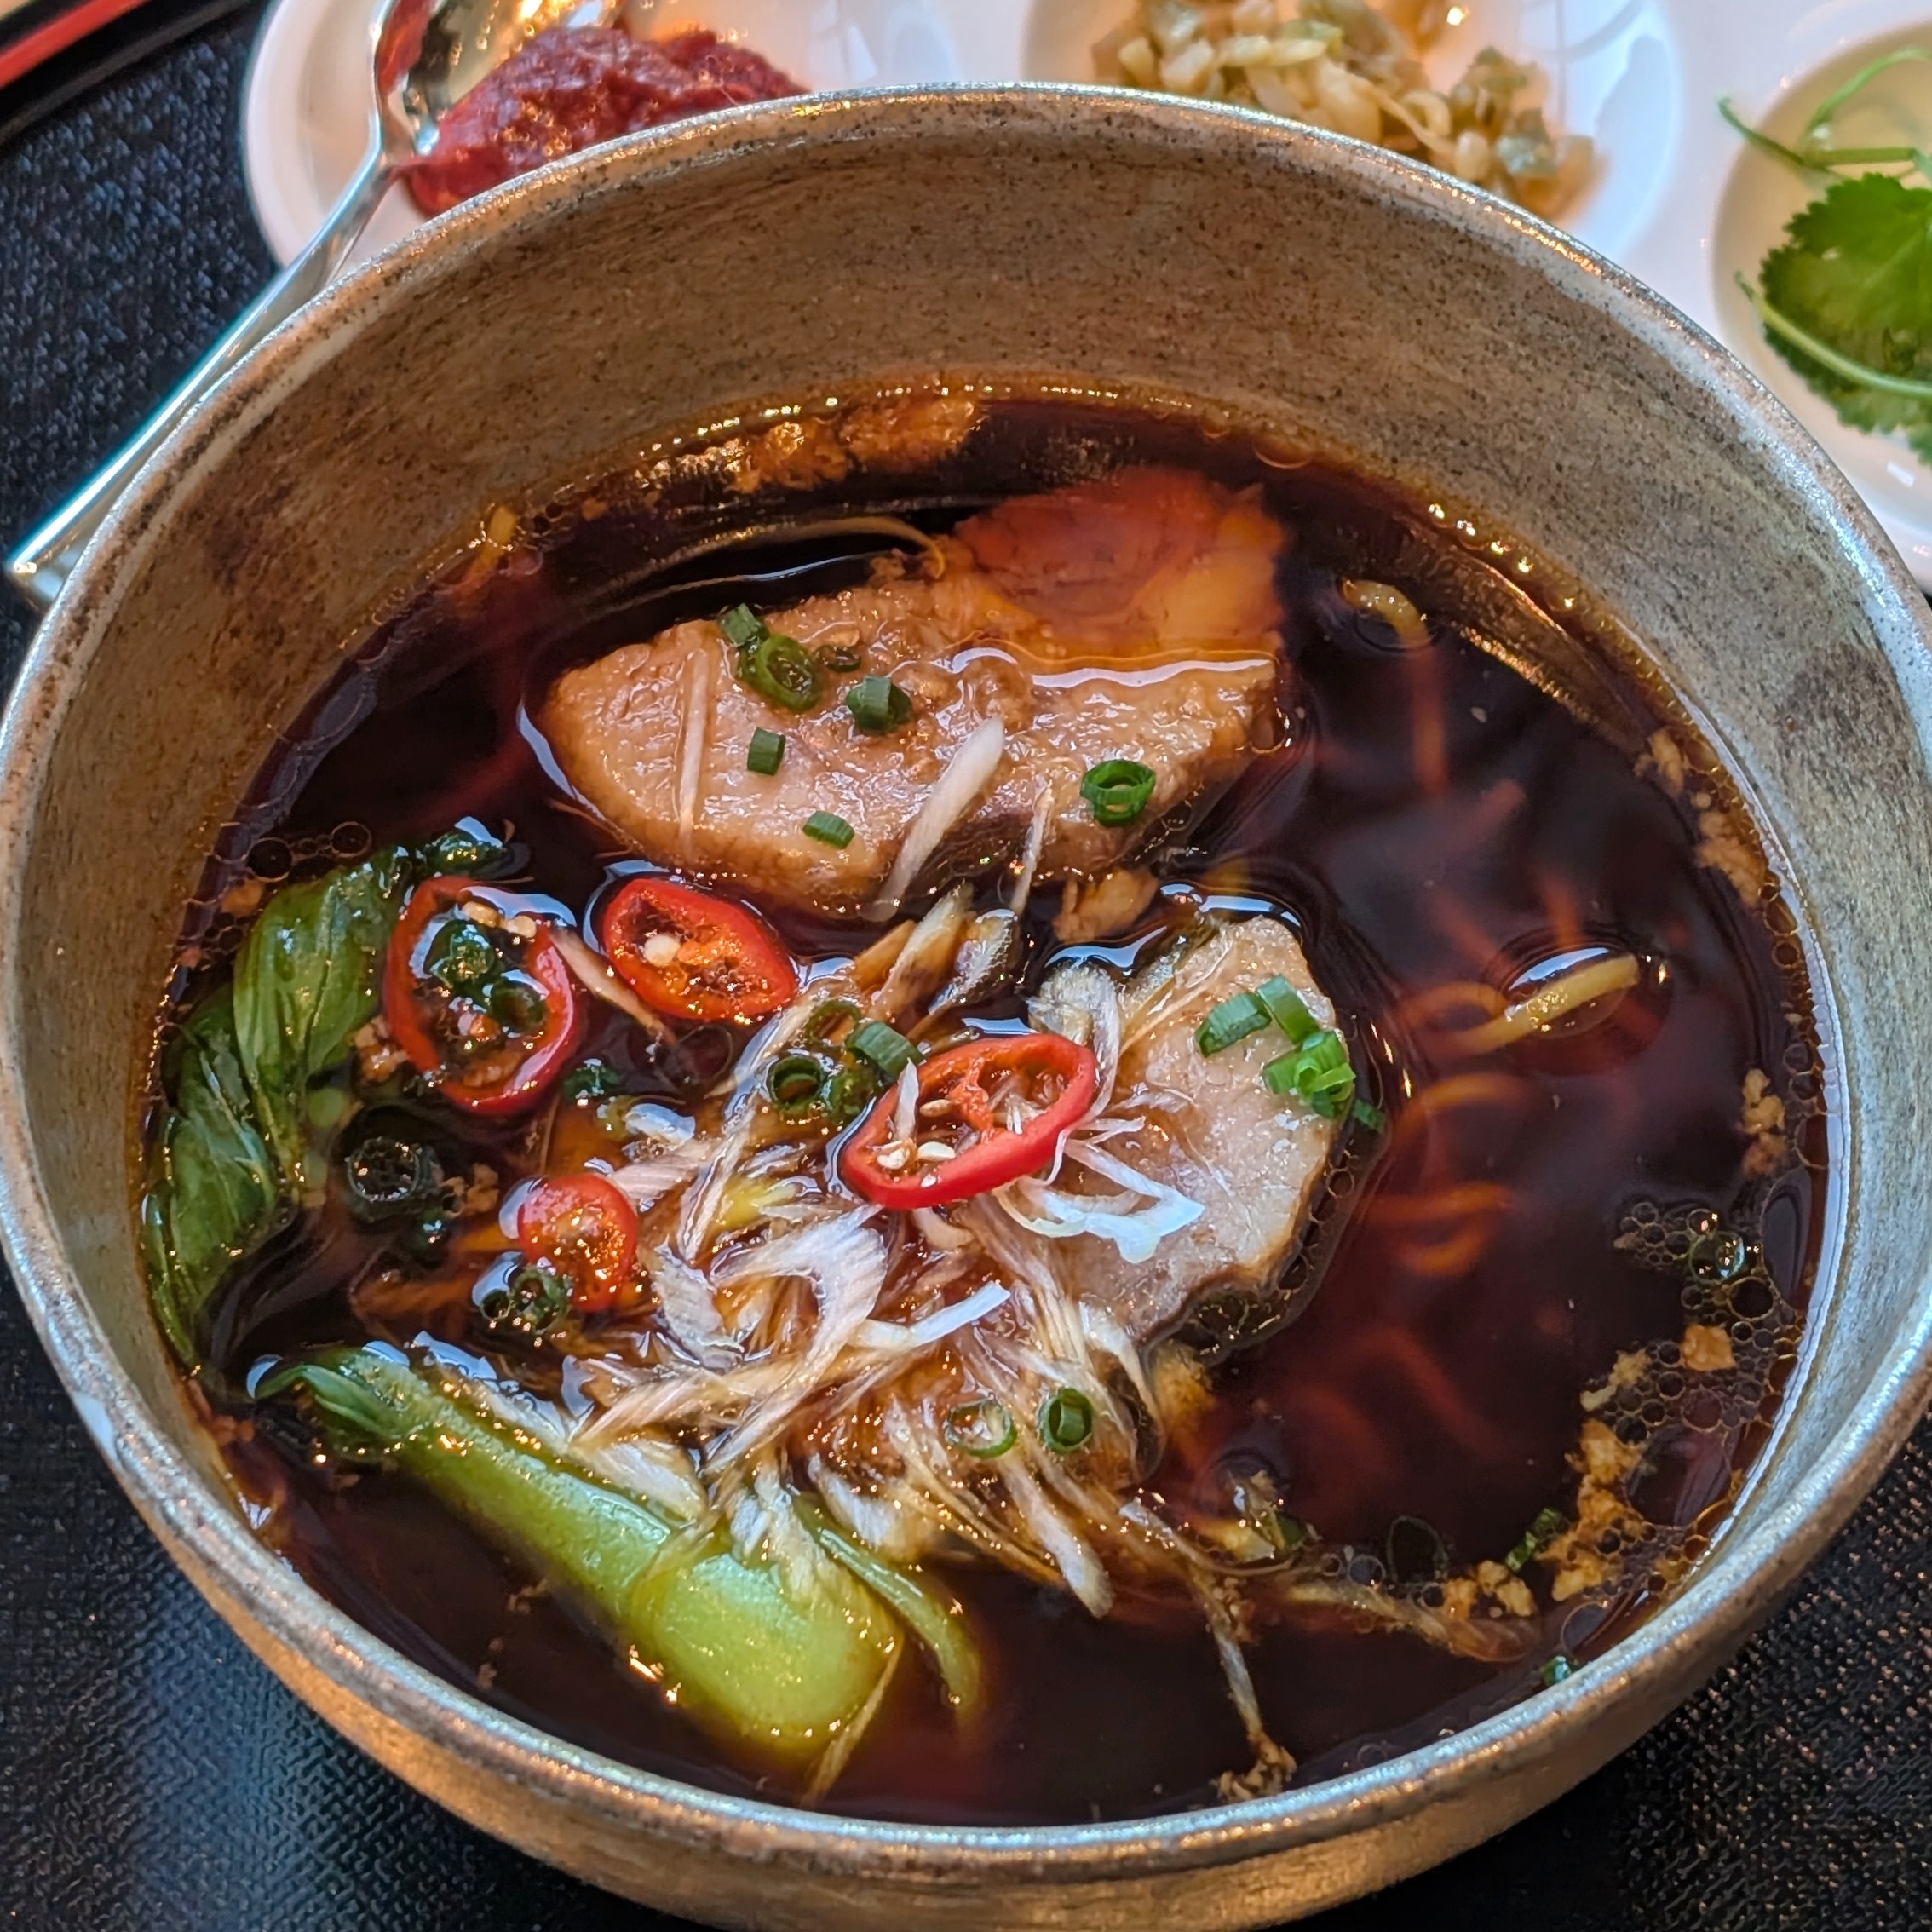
(586, 1230)
(494, 1046)
(696, 956)
(1055, 1077)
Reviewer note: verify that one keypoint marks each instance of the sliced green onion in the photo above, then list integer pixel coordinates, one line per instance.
(1372, 1117)
(829, 829)
(388, 1176)
(517, 1003)
(877, 704)
(462, 956)
(1067, 1420)
(1554, 1672)
(982, 1428)
(595, 1079)
(766, 752)
(1233, 1020)
(883, 1048)
(1317, 1072)
(464, 852)
(795, 1082)
(742, 626)
(1286, 1009)
(780, 669)
(1330, 1092)
(824, 1018)
(535, 1299)
(1549, 1525)
(1291, 1533)
(848, 1092)
(1325, 1052)
(1117, 790)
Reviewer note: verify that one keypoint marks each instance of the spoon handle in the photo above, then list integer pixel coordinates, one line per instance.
(40, 567)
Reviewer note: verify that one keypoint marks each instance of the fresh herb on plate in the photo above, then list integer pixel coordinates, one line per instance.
(1846, 298)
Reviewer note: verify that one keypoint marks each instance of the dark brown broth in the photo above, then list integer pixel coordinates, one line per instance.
(1437, 816)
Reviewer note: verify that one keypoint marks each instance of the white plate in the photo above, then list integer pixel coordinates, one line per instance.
(1677, 199)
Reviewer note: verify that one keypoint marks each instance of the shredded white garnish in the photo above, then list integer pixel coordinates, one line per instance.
(1030, 853)
(693, 729)
(644, 1182)
(884, 1523)
(844, 1261)
(939, 1232)
(690, 1311)
(1082, 1571)
(905, 1102)
(1056, 1214)
(968, 772)
(596, 977)
(926, 956)
(899, 1338)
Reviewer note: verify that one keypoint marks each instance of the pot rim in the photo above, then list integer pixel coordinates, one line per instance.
(1738, 1581)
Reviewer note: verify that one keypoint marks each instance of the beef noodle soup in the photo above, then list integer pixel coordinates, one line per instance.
(984, 1109)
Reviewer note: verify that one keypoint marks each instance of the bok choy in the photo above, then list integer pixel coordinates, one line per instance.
(783, 1661)
(237, 1145)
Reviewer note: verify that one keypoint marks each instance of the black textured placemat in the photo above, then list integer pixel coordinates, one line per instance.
(153, 1776)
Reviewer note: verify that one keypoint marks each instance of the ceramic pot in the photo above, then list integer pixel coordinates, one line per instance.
(1338, 296)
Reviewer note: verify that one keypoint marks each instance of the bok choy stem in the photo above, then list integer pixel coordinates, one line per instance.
(933, 1615)
(778, 1673)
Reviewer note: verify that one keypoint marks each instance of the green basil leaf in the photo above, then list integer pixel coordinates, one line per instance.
(308, 976)
(213, 1190)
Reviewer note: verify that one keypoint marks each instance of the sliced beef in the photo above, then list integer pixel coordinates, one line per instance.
(1212, 1130)
(1132, 618)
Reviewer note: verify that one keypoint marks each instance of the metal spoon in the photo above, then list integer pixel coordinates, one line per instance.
(427, 55)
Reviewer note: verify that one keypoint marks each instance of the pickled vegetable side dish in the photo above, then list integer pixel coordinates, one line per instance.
(971, 1108)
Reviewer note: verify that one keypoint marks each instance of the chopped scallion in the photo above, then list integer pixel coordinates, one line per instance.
(592, 1080)
(1549, 1525)
(1554, 1672)
(849, 1092)
(1233, 1020)
(829, 829)
(1067, 1420)
(883, 1048)
(742, 626)
(1286, 1009)
(1291, 1533)
(795, 1082)
(463, 958)
(982, 1428)
(827, 1017)
(1318, 1072)
(535, 1298)
(1372, 1117)
(1117, 790)
(877, 704)
(779, 669)
(766, 752)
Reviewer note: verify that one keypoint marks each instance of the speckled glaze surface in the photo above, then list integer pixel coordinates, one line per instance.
(1324, 290)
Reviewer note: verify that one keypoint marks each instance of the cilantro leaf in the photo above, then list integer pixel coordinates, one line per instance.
(1854, 273)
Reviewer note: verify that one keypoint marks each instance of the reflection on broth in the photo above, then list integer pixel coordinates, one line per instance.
(991, 1111)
